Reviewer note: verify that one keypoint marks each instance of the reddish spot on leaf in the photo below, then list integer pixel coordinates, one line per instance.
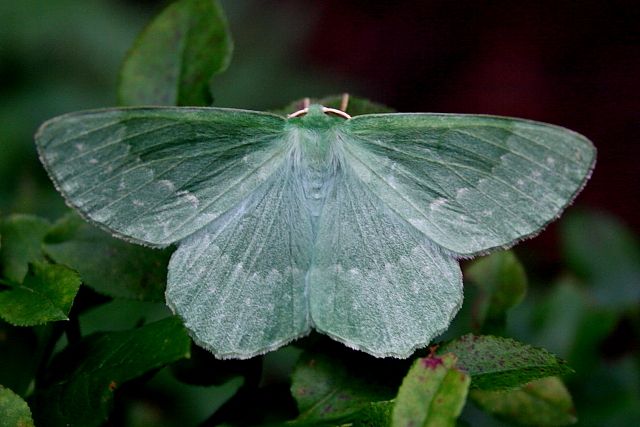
(327, 409)
(432, 362)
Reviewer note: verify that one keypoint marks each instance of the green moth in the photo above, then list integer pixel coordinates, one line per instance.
(352, 226)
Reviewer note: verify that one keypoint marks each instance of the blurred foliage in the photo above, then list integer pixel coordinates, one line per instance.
(173, 59)
(98, 257)
(113, 355)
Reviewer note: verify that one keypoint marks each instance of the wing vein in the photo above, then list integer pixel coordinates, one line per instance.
(118, 141)
(409, 202)
(233, 185)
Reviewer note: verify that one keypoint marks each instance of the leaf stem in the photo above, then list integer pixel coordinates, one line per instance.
(50, 336)
(72, 328)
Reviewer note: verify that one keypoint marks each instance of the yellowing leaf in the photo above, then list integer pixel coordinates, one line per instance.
(544, 402)
(432, 394)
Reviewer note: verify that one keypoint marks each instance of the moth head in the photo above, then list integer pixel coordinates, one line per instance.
(318, 116)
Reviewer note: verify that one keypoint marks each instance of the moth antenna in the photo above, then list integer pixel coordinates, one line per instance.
(299, 113)
(344, 102)
(335, 112)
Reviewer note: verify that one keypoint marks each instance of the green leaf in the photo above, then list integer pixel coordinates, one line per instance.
(174, 58)
(356, 106)
(568, 323)
(372, 414)
(432, 394)
(84, 376)
(173, 403)
(203, 369)
(375, 414)
(503, 284)
(496, 363)
(544, 402)
(21, 244)
(108, 265)
(121, 314)
(328, 389)
(606, 258)
(14, 412)
(46, 295)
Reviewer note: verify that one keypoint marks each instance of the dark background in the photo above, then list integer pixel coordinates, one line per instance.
(575, 64)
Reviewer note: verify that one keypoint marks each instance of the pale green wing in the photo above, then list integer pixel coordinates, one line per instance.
(376, 283)
(156, 175)
(238, 283)
(470, 183)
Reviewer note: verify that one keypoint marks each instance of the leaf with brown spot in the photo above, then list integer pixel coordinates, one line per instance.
(496, 363)
(432, 394)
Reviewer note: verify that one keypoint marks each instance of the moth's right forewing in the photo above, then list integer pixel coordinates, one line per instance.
(156, 175)
(470, 183)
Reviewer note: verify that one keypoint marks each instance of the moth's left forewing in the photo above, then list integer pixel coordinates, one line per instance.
(470, 183)
(154, 175)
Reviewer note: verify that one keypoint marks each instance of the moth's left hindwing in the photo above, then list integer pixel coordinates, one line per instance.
(239, 283)
(156, 175)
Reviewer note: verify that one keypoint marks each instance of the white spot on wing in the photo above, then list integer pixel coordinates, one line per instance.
(262, 174)
(189, 197)
(437, 203)
(391, 180)
(167, 184)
